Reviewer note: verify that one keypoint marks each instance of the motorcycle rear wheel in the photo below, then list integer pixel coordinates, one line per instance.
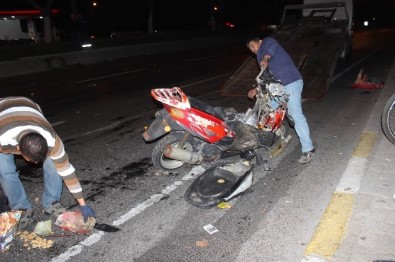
(388, 119)
(164, 163)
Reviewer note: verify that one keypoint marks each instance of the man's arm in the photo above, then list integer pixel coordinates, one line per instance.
(67, 172)
(81, 201)
(65, 169)
(265, 61)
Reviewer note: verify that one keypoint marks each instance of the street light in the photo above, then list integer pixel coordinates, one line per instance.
(91, 11)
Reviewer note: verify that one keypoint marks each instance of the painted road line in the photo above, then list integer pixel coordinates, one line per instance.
(112, 75)
(59, 123)
(204, 80)
(138, 209)
(134, 117)
(332, 226)
(334, 78)
(204, 58)
(365, 145)
(352, 176)
(330, 230)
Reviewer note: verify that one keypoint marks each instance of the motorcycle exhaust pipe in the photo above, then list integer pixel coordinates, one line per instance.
(182, 155)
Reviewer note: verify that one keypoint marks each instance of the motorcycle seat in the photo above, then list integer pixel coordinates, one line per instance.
(200, 105)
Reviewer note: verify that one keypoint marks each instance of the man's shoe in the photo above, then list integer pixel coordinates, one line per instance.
(307, 157)
(56, 209)
(26, 218)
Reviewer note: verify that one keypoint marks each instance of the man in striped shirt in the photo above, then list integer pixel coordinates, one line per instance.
(25, 131)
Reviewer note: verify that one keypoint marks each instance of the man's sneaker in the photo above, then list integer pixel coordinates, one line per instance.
(26, 218)
(307, 157)
(56, 209)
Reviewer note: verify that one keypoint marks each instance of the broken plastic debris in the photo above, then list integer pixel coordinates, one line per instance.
(201, 243)
(210, 229)
(246, 163)
(363, 82)
(43, 228)
(224, 205)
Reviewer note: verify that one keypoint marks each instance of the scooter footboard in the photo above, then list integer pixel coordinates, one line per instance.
(219, 183)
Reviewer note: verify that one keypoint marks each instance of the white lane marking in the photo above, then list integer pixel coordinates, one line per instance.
(313, 259)
(334, 78)
(59, 123)
(352, 176)
(204, 80)
(146, 204)
(113, 125)
(74, 250)
(138, 209)
(92, 239)
(203, 58)
(112, 75)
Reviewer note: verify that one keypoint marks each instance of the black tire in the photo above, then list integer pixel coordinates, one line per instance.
(388, 119)
(164, 163)
(289, 120)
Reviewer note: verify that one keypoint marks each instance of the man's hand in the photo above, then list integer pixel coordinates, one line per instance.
(265, 61)
(86, 212)
(264, 64)
(252, 93)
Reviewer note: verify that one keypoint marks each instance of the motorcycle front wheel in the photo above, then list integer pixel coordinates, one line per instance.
(388, 119)
(164, 163)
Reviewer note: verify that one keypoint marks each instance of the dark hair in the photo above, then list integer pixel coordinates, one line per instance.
(253, 39)
(34, 146)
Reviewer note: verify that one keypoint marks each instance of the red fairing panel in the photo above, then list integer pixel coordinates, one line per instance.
(195, 121)
(200, 123)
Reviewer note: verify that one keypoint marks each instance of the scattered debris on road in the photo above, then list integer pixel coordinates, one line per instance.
(32, 240)
(364, 82)
(74, 222)
(210, 229)
(201, 243)
(8, 227)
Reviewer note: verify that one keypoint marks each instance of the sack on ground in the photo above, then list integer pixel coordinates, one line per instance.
(74, 222)
(8, 227)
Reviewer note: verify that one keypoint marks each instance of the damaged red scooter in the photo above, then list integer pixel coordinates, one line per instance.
(188, 131)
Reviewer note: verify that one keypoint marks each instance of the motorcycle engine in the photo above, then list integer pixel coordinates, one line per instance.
(276, 89)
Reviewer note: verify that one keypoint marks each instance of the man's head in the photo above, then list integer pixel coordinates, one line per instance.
(253, 44)
(33, 147)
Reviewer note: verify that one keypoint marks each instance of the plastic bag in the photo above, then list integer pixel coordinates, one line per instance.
(74, 222)
(43, 228)
(8, 228)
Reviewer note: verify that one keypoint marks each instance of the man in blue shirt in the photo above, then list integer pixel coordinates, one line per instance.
(270, 53)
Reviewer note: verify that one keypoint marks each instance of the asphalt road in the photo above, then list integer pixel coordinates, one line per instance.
(100, 112)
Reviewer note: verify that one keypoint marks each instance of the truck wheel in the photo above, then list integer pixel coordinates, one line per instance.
(164, 163)
(388, 119)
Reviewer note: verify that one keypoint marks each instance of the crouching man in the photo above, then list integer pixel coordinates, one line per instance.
(25, 131)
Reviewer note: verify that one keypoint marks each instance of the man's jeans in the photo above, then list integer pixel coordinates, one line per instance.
(13, 188)
(295, 111)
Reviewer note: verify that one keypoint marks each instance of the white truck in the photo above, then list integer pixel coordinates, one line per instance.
(11, 30)
(315, 34)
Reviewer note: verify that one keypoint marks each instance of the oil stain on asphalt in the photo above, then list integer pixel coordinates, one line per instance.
(117, 179)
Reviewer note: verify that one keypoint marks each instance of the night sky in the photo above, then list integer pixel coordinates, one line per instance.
(172, 15)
